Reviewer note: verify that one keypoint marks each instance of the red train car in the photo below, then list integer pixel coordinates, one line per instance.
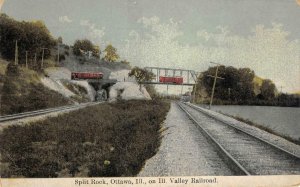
(86, 75)
(173, 80)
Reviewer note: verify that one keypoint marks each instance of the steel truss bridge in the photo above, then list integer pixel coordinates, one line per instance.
(189, 76)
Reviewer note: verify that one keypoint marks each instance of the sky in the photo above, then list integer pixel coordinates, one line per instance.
(260, 34)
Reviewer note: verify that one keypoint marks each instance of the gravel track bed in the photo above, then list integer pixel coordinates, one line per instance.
(257, 157)
(183, 151)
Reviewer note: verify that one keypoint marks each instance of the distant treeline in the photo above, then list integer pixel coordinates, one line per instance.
(241, 86)
(31, 36)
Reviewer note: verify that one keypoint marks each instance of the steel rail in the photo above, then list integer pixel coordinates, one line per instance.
(45, 111)
(231, 161)
(35, 111)
(241, 130)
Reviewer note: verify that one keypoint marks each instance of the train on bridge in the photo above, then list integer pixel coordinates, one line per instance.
(171, 80)
(96, 80)
(86, 75)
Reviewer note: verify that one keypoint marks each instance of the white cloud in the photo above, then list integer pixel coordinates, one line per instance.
(94, 33)
(267, 51)
(65, 19)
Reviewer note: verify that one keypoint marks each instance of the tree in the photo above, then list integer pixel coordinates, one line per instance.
(125, 62)
(31, 37)
(96, 51)
(60, 40)
(268, 89)
(111, 54)
(239, 81)
(141, 75)
(85, 46)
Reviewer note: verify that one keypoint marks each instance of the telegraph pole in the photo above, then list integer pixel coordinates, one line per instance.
(281, 89)
(42, 63)
(43, 53)
(26, 60)
(16, 53)
(196, 82)
(181, 89)
(34, 59)
(214, 85)
(57, 52)
(167, 89)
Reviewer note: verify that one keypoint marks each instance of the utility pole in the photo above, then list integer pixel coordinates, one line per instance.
(181, 89)
(34, 59)
(57, 52)
(16, 53)
(214, 85)
(281, 89)
(26, 59)
(196, 82)
(43, 53)
(167, 89)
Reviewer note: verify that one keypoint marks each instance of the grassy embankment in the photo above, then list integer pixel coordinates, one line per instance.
(103, 140)
(248, 122)
(3, 65)
(22, 91)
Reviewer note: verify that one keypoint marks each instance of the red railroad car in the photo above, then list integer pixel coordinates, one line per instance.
(174, 80)
(86, 75)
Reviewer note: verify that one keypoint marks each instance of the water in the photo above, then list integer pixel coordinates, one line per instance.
(283, 120)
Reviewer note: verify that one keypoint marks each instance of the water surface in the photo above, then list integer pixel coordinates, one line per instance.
(284, 120)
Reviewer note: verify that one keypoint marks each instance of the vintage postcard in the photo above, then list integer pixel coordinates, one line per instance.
(149, 93)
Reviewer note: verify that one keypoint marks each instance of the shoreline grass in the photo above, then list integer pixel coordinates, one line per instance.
(107, 140)
(251, 123)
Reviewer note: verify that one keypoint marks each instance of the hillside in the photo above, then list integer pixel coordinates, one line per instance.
(3, 65)
(85, 64)
(23, 91)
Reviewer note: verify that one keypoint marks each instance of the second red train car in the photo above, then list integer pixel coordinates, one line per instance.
(174, 80)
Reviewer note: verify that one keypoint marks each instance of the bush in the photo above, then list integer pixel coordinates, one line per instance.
(102, 140)
(22, 91)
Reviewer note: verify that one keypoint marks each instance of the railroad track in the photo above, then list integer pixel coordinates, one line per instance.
(245, 153)
(44, 111)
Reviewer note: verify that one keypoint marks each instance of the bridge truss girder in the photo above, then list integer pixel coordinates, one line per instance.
(191, 75)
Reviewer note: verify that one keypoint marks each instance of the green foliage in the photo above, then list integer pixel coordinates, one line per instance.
(238, 88)
(84, 46)
(31, 37)
(111, 54)
(152, 91)
(237, 84)
(268, 89)
(125, 62)
(60, 40)
(141, 75)
(102, 140)
(22, 91)
(290, 100)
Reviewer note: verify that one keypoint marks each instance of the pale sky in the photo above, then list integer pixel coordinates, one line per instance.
(260, 34)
